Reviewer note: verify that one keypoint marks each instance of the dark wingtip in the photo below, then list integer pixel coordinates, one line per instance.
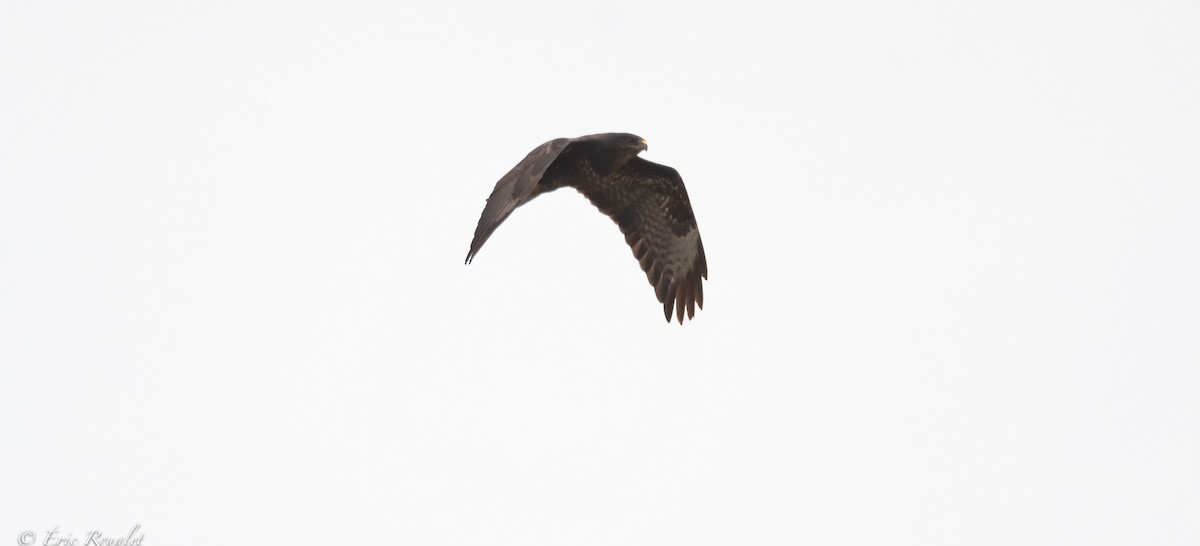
(680, 300)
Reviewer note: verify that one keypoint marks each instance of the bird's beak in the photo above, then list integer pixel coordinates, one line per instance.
(644, 145)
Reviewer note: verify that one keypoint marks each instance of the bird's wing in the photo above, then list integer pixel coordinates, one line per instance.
(513, 189)
(650, 204)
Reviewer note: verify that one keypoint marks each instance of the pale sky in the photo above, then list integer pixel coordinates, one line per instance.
(953, 252)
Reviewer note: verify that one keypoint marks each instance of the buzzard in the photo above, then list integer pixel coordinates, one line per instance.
(647, 200)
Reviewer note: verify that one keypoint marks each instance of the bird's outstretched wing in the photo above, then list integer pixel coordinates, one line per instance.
(513, 189)
(650, 204)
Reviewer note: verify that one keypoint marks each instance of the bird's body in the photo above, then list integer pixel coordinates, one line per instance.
(647, 200)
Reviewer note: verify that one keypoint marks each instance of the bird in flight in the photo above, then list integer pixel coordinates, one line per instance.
(646, 200)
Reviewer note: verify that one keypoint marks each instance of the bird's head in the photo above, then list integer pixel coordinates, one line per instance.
(627, 146)
(608, 152)
(633, 142)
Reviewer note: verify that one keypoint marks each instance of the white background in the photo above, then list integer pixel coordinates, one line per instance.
(954, 255)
